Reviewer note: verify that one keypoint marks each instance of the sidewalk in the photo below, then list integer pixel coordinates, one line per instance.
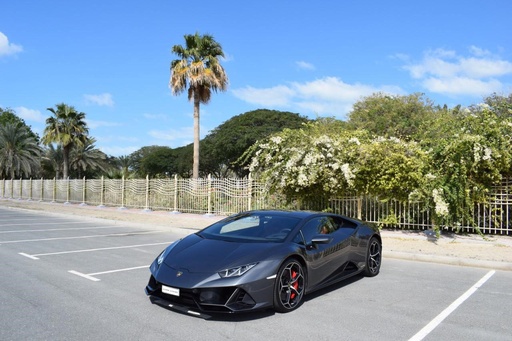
(493, 252)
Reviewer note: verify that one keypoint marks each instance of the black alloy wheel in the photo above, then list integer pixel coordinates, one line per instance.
(289, 288)
(373, 258)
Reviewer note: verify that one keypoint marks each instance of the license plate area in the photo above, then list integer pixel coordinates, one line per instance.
(170, 290)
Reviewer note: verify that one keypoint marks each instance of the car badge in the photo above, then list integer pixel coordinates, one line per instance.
(179, 273)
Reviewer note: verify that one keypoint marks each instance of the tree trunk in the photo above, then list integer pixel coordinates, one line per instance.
(65, 159)
(195, 167)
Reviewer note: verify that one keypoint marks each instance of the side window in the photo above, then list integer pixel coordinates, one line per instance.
(344, 224)
(311, 229)
(328, 225)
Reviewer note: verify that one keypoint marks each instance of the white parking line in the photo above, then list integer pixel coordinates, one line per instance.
(80, 237)
(94, 279)
(51, 223)
(84, 275)
(17, 218)
(27, 255)
(445, 313)
(36, 256)
(66, 229)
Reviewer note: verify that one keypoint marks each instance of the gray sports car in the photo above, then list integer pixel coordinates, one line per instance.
(263, 259)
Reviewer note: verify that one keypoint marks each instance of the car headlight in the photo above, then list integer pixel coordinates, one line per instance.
(236, 271)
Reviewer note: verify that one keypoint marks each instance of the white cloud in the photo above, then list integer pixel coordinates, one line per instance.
(185, 133)
(96, 124)
(462, 85)
(305, 65)
(29, 114)
(7, 48)
(446, 72)
(276, 96)
(176, 137)
(326, 96)
(118, 151)
(104, 99)
(160, 117)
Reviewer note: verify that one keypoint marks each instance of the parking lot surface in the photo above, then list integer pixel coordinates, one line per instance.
(74, 278)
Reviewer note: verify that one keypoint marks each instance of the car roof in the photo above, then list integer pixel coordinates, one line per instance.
(288, 213)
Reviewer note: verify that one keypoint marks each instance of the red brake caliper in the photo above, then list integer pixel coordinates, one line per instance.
(294, 285)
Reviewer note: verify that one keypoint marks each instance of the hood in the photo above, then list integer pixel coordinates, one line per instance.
(196, 254)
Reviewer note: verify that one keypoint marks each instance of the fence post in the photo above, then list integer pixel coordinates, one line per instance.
(12, 188)
(122, 194)
(21, 189)
(83, 192)
(30, 190)
(249, 194)
(147, 209)
(359, 208)
(175, 194)
(54, 189)
(102, 191)
(209, 194)
(67, 191)
(42, 190)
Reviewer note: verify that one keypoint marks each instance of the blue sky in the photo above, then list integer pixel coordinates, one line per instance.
(110, 59)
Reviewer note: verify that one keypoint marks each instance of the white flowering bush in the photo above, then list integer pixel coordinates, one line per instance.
(473, 154)
(301, 163)
(451, 166)
(390, 168)
(313, 162)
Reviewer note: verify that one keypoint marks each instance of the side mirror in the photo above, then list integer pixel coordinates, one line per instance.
(321, 240)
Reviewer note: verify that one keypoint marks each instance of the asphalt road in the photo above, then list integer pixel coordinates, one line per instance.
(72, 278)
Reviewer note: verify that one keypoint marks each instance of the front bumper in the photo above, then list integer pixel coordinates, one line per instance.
(228, 295)
(212, 300)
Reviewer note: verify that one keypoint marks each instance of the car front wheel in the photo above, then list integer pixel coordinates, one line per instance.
(289, 288)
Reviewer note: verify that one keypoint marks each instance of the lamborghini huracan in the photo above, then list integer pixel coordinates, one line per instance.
(263, 259)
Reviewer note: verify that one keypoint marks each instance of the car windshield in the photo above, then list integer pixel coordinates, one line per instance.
(252, 227)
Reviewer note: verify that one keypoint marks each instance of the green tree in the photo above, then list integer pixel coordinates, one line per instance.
(184, 160)
(19, 151)
(500, 105)
(198, 69)
(52, 161)
(470, 151)
(86, 157)
(120, 166)
(67, 127)
(392, 116)
(9, 116)
(137, 156)
(227, 143)
(160, 162)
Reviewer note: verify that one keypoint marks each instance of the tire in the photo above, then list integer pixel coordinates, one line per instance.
(373, 257)
(289, 287)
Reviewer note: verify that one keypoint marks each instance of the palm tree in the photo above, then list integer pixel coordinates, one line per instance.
(66, 127)
(52, 160)
(86, 156)
(199, 69)
(124, 163)
(19, 151)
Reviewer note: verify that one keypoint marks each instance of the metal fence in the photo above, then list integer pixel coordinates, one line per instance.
(227, 196)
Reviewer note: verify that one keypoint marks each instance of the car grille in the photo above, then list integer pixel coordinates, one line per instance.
(219, 300)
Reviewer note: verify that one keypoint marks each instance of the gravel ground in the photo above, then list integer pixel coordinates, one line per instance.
(466, 250)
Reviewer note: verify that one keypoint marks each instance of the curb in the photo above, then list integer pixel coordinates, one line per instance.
(505, 266)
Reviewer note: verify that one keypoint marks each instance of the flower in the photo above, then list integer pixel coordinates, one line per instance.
(441, 205)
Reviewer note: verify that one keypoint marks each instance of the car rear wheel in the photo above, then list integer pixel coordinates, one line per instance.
(289, 288)
(373, 257)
